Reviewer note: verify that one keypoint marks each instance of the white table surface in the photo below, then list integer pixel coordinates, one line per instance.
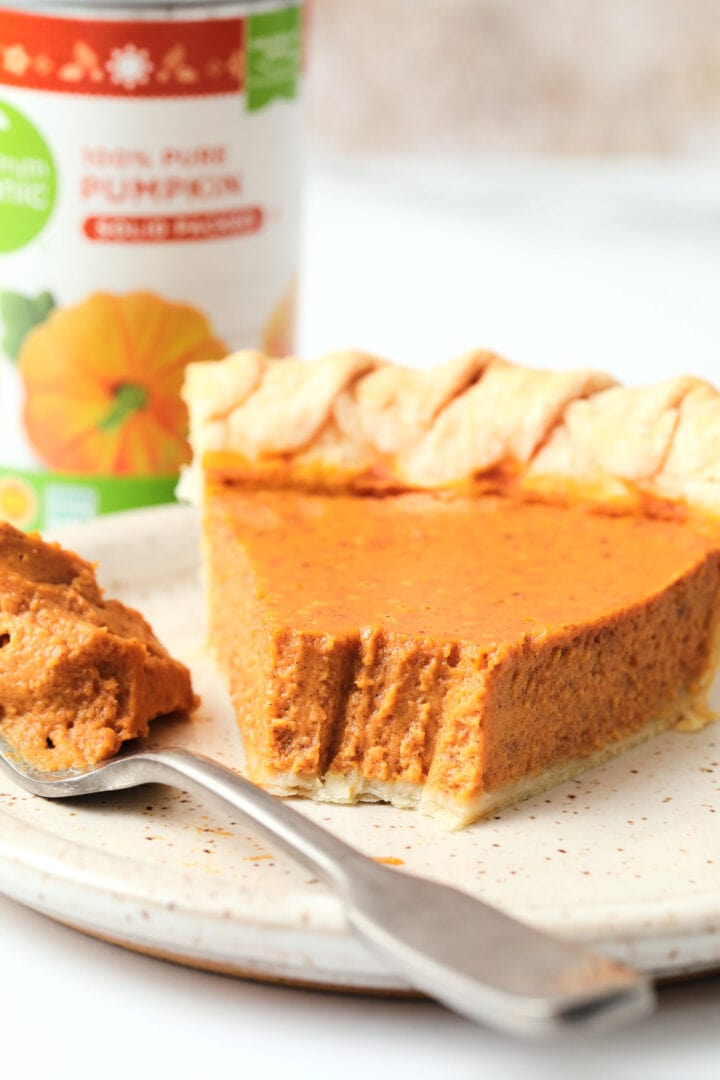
(614, 267)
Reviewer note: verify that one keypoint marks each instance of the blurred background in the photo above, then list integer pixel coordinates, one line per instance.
(540, 177)
(479, 77)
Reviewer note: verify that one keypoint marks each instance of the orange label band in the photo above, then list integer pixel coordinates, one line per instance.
(112, 58)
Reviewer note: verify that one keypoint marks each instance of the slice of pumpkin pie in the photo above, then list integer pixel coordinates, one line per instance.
(451, 589)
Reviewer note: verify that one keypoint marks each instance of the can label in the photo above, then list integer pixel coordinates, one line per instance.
(149, 174)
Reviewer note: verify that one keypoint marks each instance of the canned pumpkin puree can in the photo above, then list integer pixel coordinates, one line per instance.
(149, 183)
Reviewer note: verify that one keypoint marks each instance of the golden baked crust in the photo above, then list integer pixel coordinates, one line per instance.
(349, 419)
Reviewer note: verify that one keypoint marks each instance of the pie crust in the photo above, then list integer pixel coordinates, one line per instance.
(349, 419)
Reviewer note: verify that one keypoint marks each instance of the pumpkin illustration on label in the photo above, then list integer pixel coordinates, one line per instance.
(102, 383)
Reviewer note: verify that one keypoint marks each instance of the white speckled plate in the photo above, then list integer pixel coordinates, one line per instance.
(626, 858)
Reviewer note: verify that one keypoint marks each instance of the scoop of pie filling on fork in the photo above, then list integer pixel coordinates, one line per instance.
(80, 674)
(451, 589)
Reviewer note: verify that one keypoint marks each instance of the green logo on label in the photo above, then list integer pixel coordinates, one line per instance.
(273, 56)
(27, 179)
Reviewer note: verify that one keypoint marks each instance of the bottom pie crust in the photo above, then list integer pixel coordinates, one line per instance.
(689, 714)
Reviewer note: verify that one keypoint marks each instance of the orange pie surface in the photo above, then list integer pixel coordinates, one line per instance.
(449, 590)
(449, 646)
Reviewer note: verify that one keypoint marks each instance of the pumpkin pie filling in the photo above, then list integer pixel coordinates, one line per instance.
(452, 589)
(435, 649)
(79, 673)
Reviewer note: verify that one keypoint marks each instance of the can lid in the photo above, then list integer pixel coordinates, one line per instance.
(157, 5)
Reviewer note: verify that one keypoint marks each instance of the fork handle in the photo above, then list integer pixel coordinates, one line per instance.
(457, 949)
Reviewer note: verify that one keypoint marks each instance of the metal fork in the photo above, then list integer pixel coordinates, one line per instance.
(462, 952)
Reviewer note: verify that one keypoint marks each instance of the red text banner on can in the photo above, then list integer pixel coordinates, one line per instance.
(148, 229)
